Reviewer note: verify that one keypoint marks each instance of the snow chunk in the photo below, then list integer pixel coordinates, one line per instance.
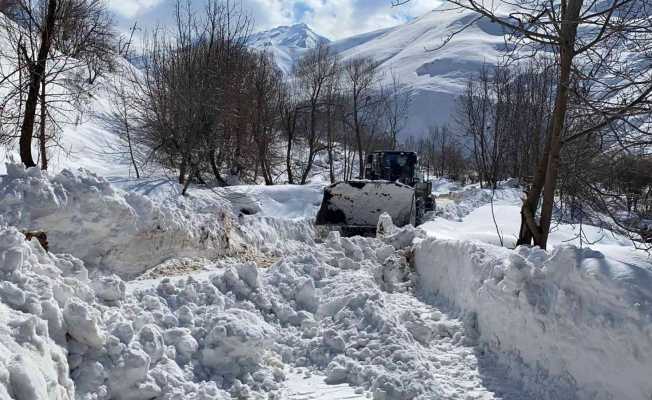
(83, 324)
(109, 288)
(397, 237)
(236, 342)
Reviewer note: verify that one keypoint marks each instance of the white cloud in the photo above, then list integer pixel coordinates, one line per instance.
(335, 19)
(132, 8)
(269, 13)
(342, 18)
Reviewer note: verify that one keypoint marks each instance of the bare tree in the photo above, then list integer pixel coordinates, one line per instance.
(266, 84)
(605, 29)
(334, 106)
(197, 93)
(314, 72)
(123, 120)
(50, 41)
(505, 112)
(398, 99)
(361, 78)
(288, 104)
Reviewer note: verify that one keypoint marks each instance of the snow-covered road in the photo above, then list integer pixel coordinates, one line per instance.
(345, 321)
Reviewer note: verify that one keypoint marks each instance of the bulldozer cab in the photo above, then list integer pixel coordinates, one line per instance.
(392, 166)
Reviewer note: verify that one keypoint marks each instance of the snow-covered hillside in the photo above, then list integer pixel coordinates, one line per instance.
(287, 43)
(84, 141)
(435, 75)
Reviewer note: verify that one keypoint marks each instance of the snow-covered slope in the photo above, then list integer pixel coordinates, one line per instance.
(436, 75)
(287, 43)
(84, 142)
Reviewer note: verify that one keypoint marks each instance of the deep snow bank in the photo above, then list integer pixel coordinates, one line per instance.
(124, 232)
(580, 322)
(40, 307)
(64, 336)
(127, 232)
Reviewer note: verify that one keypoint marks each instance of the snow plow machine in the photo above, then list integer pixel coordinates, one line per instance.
(391, 186)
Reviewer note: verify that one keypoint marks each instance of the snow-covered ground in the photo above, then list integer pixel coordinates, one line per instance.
(342, 309)
(466, 214)
(228, 293)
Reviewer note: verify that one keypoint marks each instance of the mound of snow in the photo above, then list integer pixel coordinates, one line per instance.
(123, 232)
(573, 319)
(41, 309)
(271, 219)
(279, 201)
(184, 339)
(456, 203)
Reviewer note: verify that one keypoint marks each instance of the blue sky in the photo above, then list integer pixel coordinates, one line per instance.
(334, 19)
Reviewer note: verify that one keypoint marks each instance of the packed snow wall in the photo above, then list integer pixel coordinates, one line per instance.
(569, 324)
(126, 232)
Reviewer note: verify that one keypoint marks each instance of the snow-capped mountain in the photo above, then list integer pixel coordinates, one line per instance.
(434, 71)
(287, 43)
(435, 74)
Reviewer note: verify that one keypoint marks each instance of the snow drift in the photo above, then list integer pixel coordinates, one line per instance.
(570, 323)
(126, 232)
(121, 231)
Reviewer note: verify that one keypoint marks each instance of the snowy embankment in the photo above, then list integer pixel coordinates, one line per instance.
(570, 323)
(128, 232)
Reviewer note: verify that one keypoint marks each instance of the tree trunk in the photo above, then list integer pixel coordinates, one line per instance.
(313, 142)
(288, 155)
(306, 172)
(570, 17)
(331, 163)
(358, 137)
(264, 165)
(329, 128)
(529, 229)
(130, 145)
(132, 155)
(42, 130)
(186, 184)
(182, 172)
(36, 75)
(216, 169)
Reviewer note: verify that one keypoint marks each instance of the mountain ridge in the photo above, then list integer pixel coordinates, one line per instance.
(287, 43)
(435, 75)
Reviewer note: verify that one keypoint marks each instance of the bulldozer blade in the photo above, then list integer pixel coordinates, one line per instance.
(360, 204)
